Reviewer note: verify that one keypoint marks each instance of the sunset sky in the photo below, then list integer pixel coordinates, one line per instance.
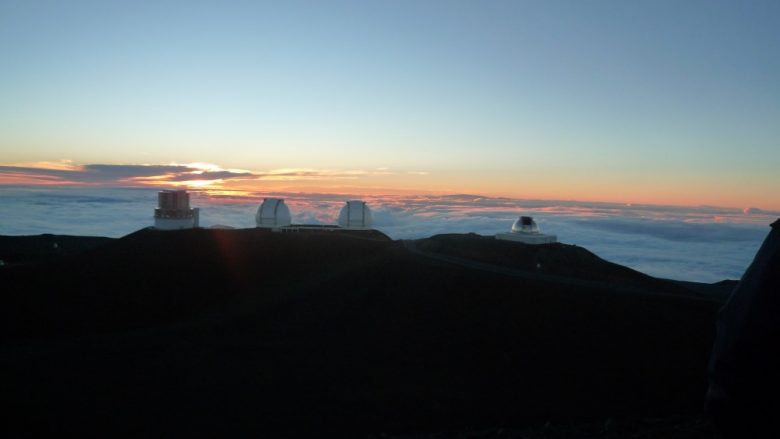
(664, 102)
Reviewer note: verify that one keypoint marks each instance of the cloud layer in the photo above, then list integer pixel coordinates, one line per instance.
(703, 244)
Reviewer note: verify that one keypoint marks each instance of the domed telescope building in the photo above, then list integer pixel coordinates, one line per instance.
(355, 215)
(526, 230)
(173, 211)
(273, 214)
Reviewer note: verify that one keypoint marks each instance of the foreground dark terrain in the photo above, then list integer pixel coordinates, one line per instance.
(248, 332)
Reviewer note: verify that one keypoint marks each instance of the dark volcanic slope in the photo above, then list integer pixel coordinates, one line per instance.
(42, 248)
(225, 332)
(545, 261)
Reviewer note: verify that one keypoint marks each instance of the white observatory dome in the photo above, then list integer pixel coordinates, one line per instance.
(525, 224)
(526, 231)
(273, 213)
(355, 215)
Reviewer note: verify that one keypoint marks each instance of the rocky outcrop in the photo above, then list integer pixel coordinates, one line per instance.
(745, 364)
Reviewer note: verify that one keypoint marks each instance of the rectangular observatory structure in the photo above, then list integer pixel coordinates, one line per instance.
(173, 211)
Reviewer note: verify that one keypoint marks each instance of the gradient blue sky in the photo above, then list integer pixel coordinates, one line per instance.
(657, 101)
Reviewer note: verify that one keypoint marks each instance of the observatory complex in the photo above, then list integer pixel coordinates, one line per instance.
(173, 211)
(526, 230)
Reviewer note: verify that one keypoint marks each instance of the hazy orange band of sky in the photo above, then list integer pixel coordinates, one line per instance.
(727, 190)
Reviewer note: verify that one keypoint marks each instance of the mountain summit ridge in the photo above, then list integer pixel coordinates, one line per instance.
(249, 331)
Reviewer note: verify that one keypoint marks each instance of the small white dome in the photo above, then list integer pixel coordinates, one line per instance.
(525, 224)
(273, 213)
(355, 215)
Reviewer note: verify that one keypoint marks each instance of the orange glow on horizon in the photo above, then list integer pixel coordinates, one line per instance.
(621, 188)
(36, 180)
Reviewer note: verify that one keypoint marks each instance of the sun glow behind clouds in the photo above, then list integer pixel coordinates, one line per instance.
(378, 181)
(191, 175)
(196, 175)
(188, 184)
(199, 166)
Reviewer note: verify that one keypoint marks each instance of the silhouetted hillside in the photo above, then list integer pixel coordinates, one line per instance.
(249, 332)
(555, 259)
(42, 248)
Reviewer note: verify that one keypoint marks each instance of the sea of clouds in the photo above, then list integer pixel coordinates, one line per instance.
(705, 244)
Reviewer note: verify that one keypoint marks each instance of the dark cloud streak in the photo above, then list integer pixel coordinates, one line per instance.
(119, 174)
(210, 175)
